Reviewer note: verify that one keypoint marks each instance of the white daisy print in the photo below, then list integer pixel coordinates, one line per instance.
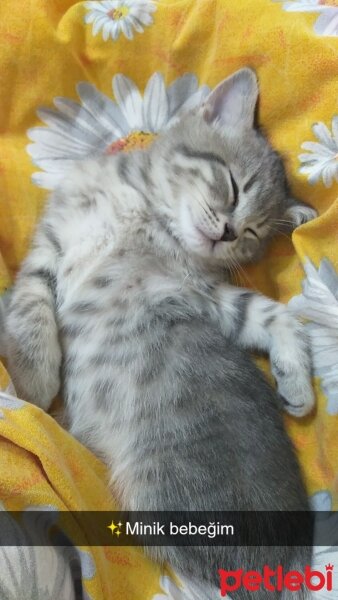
(327, 22)
(113, 17)
(321, 501)
(319, 304)
(326, 530)
(10, 402)
(321, 161)
(98, 125)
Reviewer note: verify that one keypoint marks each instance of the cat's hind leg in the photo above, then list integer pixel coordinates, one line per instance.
(31, 336)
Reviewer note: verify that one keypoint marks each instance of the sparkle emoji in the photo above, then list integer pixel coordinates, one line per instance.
(115, 529)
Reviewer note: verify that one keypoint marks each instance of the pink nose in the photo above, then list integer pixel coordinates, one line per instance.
(229, 234)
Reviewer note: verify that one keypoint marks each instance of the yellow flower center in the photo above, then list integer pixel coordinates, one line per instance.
(328, 2)
(137, 140)
(118, 13)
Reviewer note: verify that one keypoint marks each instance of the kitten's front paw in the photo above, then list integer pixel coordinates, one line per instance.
(295, 389)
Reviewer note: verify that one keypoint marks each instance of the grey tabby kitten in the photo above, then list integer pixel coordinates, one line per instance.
(126, 299)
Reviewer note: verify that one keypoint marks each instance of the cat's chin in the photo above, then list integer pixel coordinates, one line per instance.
(210, 250)
(196, 240)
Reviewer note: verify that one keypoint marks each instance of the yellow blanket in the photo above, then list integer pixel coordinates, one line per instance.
(110, 75)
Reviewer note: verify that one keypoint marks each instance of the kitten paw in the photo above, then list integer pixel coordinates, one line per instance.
(296, 391)
(36, 380)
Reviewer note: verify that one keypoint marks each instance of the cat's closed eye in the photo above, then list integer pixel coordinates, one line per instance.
(235, 190)
(252, 232)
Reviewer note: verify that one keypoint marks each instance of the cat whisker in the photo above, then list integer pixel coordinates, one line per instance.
(234, 273)
(206, 206)
(283, 222)
(244, 274)
(279, 232)
(235, 270)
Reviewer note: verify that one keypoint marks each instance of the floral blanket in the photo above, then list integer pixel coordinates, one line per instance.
(84, 78)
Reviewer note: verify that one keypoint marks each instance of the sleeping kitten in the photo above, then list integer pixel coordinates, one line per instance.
(126, 292)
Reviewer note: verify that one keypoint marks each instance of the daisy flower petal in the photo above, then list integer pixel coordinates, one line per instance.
(322, 159)
(335, 130)
(323, 134)
(129, 100)
(50, 138)
(116, 16)
(85, 136)
(143, 17)
(90, 17)
(126, 28)
(136, 23)
(106, 31)
(329, 276)
(10, 402)
(83, 119)
(317, 148)
(303, 6)
(327, 23)
(155, 104)
(104, 111)
(96, 124)
(321, 501)
(94, 5)
(193, 102)
(181, 89)
(59, 122)
(319, 303)
(328, 174)
(54, 166)
(39, 151)
(48, 181)
(314, 173)
(115, 31)
(97, 25)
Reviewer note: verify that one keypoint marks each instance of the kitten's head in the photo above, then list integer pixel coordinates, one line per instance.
(225, 188)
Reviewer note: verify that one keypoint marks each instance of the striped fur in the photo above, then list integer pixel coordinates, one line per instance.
(125, 299)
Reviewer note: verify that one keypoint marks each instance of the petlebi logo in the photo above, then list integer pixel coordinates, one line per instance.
(276, 580)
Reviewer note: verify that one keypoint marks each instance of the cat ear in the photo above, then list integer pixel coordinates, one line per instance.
(298, 213)
(233, 101)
